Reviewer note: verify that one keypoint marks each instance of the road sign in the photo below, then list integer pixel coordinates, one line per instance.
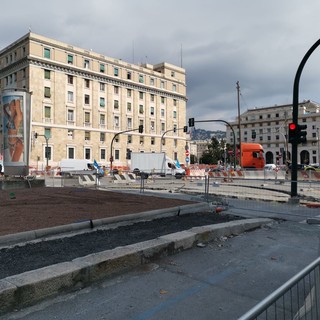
(187, 159)
(187, 153)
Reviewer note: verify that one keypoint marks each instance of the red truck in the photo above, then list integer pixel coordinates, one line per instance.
(252, 156)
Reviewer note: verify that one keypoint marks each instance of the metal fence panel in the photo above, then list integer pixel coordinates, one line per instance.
(297, 299)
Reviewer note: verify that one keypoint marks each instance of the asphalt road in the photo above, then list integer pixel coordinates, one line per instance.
(219, 281)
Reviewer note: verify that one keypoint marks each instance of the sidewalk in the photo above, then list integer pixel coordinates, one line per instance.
(221, 280)
(25, 289)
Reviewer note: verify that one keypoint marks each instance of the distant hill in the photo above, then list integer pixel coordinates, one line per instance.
(200, 134)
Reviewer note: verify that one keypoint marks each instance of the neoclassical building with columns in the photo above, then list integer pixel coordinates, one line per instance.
(269, 127)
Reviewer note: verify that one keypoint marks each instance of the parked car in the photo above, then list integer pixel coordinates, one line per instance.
(312, 167)
(270, 167)
(217, 169)
(299, 166)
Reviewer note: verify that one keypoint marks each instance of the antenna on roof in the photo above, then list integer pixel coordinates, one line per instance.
(30, 28)
(181, 56)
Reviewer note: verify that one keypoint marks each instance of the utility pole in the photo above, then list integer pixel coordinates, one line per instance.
(239, 123)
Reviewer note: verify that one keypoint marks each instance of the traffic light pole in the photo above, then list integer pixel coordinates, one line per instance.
(295, 112)
(234, 137)
(116, 135)
(166, 133)
(47, 147)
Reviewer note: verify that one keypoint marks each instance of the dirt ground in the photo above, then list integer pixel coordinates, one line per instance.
(37, 208)
(27, 209)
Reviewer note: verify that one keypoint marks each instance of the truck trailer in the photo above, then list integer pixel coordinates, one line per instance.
(157, 163)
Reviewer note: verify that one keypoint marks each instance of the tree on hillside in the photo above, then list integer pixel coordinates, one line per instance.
(215, 152)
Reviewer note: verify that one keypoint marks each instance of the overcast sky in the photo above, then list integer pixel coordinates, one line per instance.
(258, 43)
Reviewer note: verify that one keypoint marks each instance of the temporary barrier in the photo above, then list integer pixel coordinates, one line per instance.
(125, 177)
(308, 175)
(87, 179)
(298, 298)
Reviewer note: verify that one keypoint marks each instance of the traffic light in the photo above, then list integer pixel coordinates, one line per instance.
(185, 129)
(141, 128)
(301, 133)
(191, 122)
(292, 132)
(35, 135)
(174, 129)
(297, 133)
(253, 134)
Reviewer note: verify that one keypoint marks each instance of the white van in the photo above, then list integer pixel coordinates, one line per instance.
(270, 167)
(70, 167)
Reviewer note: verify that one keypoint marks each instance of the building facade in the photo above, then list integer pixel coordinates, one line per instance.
(80, 100)
(198, 148)
(269, 127)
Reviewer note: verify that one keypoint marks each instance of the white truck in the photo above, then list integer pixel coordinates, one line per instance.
(155, 163)
(74, 167)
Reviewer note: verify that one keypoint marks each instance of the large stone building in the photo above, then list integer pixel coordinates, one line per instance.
(81, 99)
(269, 127)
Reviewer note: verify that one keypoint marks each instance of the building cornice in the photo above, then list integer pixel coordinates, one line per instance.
(105, 79)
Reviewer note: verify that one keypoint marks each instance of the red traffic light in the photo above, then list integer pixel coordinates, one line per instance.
(297, 133)
(293, 132)
(292, 126)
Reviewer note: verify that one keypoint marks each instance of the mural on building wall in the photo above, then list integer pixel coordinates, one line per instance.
(15, 132)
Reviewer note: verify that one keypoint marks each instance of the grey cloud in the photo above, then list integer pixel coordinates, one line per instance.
(257, 43)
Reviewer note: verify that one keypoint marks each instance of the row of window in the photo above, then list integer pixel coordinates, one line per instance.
(48, 153)
(266, 116)
(71, 119)
(71, 151)
(87, 137)
(117, 72)
(116, 89)
(102, 101)
(14, 56)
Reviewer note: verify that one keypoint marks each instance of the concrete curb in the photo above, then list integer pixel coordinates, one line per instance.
(33, 286)
(313, 220)
(90, 224)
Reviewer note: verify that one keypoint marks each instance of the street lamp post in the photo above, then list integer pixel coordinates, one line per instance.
(174, 130)
(36, 135)
(318, 142)
(140, 129)
(234, 136)
(239, 123)
(285, 144)
(295, 111)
